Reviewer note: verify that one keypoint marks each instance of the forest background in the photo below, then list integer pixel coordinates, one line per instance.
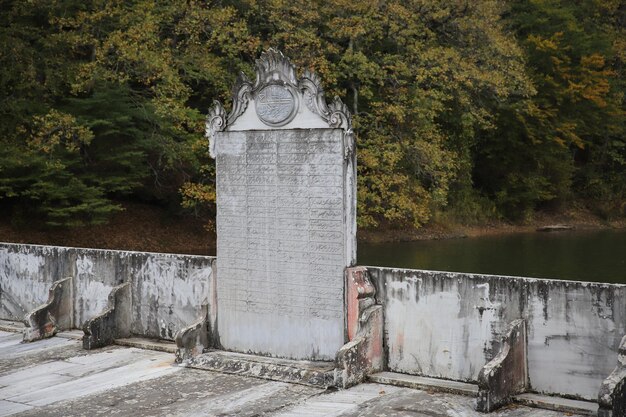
(464, 111)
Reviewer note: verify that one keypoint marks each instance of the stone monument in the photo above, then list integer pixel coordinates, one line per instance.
(286, 214)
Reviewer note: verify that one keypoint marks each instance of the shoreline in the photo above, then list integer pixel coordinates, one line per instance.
(575, 221)
(149, 228)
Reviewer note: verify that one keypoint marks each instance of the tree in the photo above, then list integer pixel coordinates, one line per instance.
(458, 106)
(420, 78)
(566, 141)
(104, 99)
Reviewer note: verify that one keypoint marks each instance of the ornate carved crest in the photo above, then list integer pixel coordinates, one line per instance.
(277, 94)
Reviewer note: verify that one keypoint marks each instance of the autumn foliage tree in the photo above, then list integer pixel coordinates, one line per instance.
(566, 142)
(470, 109)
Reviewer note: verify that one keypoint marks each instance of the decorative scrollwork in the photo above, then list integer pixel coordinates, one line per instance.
(274, 69)
(215, 122)
(311, 87)
(339, 115)
(336, 114)
(273, 66)
(241, 97)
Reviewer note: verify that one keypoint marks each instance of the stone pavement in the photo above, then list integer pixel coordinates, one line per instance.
(55, 377)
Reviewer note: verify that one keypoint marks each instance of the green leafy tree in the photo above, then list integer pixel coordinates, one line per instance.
(420, 78)
(567, 140)
(458, 107)
(103, 99)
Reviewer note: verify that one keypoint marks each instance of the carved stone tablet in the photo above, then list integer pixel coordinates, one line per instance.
(286, 215)
(281, 242)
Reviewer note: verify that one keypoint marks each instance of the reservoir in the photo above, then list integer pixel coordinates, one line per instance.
(598, 256)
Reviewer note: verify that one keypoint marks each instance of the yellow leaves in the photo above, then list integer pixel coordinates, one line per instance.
(394, 113)
(229, 32)
(85, 76)
(593, 61)
(550, 44)
(595, 77)
(354, 20)
(200, 145)
(57, 129)
(566, 134)
(367, 159)
(195, 194)
(587, 81)
(392, 196)
(402, 196)
(134, 54)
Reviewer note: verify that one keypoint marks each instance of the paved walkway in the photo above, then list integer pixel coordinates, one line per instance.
(55, 377)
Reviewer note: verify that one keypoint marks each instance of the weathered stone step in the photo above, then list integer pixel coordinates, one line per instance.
(11, 326)
(149, 344)
(564, 405)
(312, 373)
(425, 383)
(71, 334)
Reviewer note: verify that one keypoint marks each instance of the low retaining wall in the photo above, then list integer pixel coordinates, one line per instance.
(449, 325)
(168, 291)
(437, 324)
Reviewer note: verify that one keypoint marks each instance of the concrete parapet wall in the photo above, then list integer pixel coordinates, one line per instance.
(436, 324)
(449, 325)
(167, 290)
(26, 275)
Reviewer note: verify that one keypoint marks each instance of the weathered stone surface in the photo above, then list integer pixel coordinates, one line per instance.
(12, 326)
(168, 290)
(14, 354)
(612, 395)
(314, 373)
(567, 406)
(51, 379)
(53, 316)
(280, 244)
(425, 383)
(188, 392)
(286, 214)
(111, 324)
(58, 380)
(448, 325)
(194, 339)
(159, 345)
(363, 354)
(370, 400)
(26, 275)
(360, 294)
(507, 374)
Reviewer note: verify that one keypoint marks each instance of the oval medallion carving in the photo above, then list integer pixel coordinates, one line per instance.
(275, 105)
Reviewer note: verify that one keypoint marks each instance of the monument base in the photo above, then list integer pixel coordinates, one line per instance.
(312, 373)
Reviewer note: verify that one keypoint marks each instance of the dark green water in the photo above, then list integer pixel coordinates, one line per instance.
(598, 256)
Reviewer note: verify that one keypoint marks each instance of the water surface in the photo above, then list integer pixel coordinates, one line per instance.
(598, 256)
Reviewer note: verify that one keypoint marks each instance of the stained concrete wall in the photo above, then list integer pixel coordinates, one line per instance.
(168, 290)
(448, 325)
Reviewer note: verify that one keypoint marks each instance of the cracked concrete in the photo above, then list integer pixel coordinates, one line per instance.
(56, 378)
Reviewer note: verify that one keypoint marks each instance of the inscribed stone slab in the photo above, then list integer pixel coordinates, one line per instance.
(281, 249)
